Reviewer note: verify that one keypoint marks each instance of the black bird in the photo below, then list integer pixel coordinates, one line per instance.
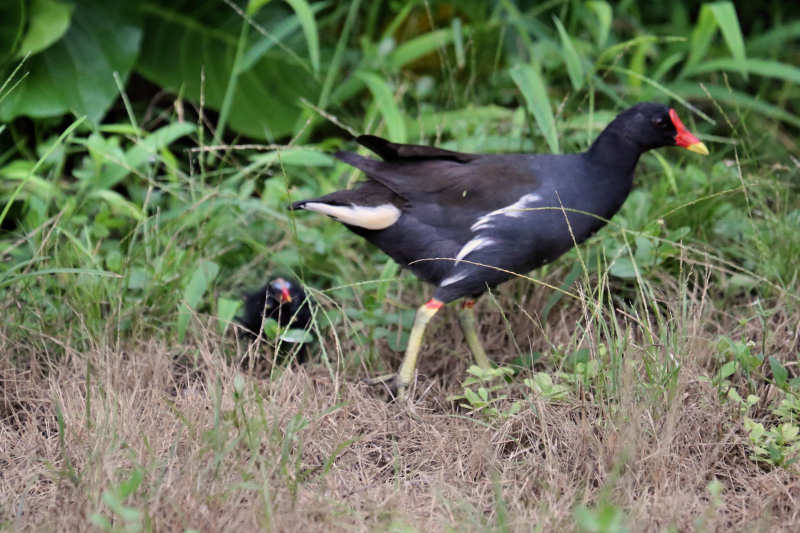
(282, 299)
(465, 222)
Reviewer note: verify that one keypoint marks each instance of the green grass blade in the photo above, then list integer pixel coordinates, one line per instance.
(35, 167)
(725, 14)
(198, 284)
(306, 17)
(458, 42)
(279, 32)
(701, 37)
(336, 61)
(48, 271)
(759, 67)
(724, 94)
(571, 57)
(384, 99)
(532, 87)
(770, 40)
(600, 27)
(420, 46)
(675, 94)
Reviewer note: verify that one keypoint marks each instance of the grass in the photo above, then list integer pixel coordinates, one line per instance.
(647, 381)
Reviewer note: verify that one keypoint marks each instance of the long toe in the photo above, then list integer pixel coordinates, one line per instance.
(391, 382)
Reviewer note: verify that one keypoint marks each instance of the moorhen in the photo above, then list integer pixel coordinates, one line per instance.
(282, 299)
(465, 222)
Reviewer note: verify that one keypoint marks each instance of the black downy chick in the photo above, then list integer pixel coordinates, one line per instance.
(282, 299)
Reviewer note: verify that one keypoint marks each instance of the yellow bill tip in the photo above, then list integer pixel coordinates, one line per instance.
(698, 148)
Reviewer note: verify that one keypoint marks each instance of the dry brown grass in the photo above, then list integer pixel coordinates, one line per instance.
(215, 457)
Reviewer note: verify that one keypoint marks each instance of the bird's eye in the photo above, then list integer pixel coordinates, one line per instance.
(660, 121)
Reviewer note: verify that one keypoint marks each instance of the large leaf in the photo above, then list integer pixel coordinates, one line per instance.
(49, 20)
(75, 74)
(185, 39)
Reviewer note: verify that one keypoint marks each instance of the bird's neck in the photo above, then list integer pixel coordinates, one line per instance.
(614, 150)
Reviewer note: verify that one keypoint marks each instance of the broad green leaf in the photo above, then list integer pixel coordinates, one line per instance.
(226, 310)
(779, 372)
(601, 26)
(727, 370)
(728, 22)
(420, 46)
(306, 17)
(384, 100)
(623, 268)
(75, 74)
(193, 294)
(533, 91)
(49, 20)
(571, 57)
(265, 104)
(296, 335)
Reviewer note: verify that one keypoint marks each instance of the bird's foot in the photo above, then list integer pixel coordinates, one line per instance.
(397, 388)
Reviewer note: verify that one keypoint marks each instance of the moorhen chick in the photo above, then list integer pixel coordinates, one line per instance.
(465, 222)
(282, 299)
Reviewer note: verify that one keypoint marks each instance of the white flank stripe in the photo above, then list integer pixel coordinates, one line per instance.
(369, 217)
(453, 279)
(471, 246)
(514, 210)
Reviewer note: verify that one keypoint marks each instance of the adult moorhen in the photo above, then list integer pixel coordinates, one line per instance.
(465, 222)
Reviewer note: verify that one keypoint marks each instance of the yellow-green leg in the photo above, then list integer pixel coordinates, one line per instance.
(466, 316)
(402, 379)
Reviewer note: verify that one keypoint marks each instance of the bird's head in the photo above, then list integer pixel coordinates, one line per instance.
(280, 289)
(652, 125)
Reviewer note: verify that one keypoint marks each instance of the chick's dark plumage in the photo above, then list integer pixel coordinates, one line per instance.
(282, 299)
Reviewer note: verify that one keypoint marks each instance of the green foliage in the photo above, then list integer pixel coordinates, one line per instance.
(542, 385)
(604, 518)
(779, 445)
(72, 73)
(481, 395)
(122, 221)
(131, 518)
